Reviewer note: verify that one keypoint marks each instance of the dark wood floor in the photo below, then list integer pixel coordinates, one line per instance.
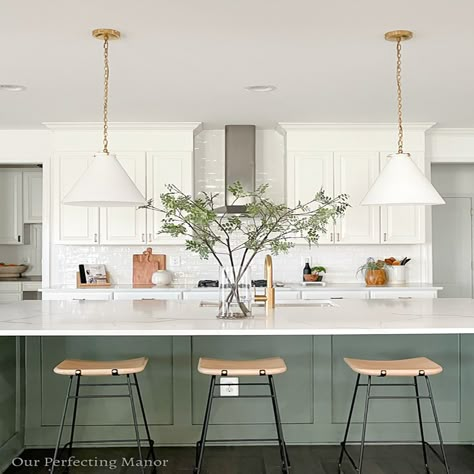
(262, 460)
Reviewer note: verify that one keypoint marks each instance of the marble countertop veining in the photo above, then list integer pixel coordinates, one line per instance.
(287, 287)
(188, 318)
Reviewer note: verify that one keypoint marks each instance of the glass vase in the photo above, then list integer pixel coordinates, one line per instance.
(235, 293)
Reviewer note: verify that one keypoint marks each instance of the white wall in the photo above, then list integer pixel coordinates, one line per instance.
(341, 261)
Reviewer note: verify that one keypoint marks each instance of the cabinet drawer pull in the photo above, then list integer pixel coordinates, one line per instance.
(150, 237)
(385, 236)
(337, 297)
(79, 299)
(148, 299)
(338, 236)
(143, 237)
(404, 297)
(19, 238)
(332, 237)
(95, 238)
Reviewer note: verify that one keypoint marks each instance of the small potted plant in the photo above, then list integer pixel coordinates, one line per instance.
(317, 273)
(374, 272)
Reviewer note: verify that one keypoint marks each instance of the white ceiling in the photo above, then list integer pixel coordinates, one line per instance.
(189, 60)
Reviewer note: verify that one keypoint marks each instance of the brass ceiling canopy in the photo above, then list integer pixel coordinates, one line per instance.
(106, 33)
(399, 35)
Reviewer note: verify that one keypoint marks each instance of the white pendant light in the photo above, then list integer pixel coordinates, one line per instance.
(401, 182)
(105, 183)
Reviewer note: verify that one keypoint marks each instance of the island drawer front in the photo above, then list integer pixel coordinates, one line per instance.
(147, 295)
(287, 295)
(10, 297)
(31, 285)
(335, 295)
(201, 295)
(9, 286)
(403, 294)
(77, 295)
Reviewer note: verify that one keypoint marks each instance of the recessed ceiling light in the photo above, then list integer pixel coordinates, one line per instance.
(12, 87)
(264, 88)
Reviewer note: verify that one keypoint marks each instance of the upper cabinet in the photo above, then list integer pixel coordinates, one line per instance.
(307, 173)
(153, 155)
(11, 208)
(166, 168)
(354, 174)
(72, 224)
(126, 225)
(347, 159)
(403, 224)
(32, 197)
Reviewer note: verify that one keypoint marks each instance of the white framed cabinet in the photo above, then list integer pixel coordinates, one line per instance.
(11, 207)
(72, 224)
(403, 224)
(126, 225)
(354, 174)
(32, 197)
(307, 173)
(166, 168)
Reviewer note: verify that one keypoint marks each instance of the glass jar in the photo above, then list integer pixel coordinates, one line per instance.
(235, 293)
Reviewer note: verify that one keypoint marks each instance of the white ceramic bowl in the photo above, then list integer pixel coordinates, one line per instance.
(162, 278)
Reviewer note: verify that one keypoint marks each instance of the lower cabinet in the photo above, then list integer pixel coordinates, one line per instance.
(78, 295)
(403, 294)
(335, 295)
(147, 295)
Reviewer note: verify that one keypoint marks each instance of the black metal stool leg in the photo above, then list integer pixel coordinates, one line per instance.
(364, 424)
(438, 428)
(61, 427)
(74, 414)
(422, 431)
(202, 443)
(281, 440)
(135, 423)
(150, 441)
(348, 425)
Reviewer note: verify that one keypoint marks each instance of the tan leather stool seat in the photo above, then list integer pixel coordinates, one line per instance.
(270, 366)
(100, 368)
(395, 368)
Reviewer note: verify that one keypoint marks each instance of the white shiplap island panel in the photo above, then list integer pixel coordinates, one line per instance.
(188, 318)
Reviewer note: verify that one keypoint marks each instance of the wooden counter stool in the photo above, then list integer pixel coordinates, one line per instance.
(418, 367)
(242, 368)
(76, 369)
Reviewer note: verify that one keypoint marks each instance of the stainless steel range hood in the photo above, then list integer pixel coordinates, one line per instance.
(239, 163)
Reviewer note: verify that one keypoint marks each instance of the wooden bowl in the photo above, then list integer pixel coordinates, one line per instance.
(375, 277)
(12, 271)
(310, 277)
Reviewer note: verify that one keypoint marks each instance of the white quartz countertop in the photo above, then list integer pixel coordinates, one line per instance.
(188, 318)
(287, 287)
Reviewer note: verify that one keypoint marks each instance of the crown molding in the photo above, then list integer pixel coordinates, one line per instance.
(452, 131)
(195, 127)
(292, 126)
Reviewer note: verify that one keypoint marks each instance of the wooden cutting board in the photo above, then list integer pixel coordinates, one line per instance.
(145, 264)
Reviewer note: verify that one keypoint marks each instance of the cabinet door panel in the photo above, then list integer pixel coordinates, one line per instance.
(11, 207)
(354, 174)
(403, 224)
(32, 197)
(126, 225)
(166, 168)
(72, 224)
(307, 173)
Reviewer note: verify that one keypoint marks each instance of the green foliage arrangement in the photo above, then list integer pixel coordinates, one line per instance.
(235, 240)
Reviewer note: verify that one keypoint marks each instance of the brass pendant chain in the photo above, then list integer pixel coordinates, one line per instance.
(106, 94)
(399, 95)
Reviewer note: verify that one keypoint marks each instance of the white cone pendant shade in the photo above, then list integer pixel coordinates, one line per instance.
(401, 182)
(105, 184)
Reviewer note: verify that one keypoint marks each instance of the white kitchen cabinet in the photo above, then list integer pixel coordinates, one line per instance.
(126, 225)
(77, 295)
(307, 173)
(147, 295)
(354, 174)
(166, 168)
(32, 197)
(72, 224)
(335, 295)
(10, 291)
(198, 295)
(403, 294)
(11, 207)
(10, 297)
(403, 224)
